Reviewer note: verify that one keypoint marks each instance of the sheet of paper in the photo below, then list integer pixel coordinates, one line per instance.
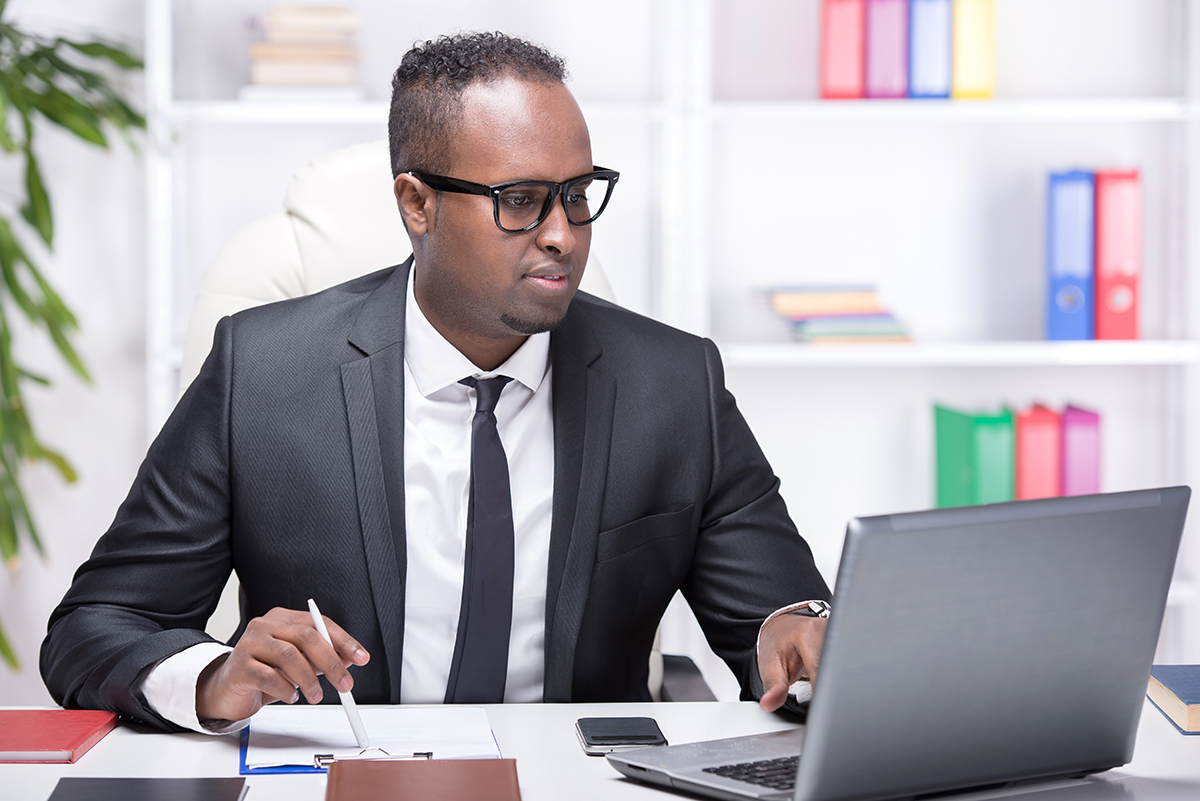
(291, 735)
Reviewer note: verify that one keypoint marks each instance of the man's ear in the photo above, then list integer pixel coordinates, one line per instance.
(417, 203)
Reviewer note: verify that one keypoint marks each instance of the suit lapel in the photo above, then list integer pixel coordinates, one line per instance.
(374, 392)
(583, 410)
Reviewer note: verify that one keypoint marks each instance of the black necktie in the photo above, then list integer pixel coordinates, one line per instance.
(480, 663)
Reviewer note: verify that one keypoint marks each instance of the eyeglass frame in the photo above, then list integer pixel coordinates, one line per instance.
(444, 183)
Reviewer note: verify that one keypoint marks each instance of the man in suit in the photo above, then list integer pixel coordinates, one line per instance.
(491, 484)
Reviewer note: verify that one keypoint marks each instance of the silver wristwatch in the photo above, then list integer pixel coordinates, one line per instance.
(819, 609)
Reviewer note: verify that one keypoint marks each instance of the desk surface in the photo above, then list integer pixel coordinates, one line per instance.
(541, 737)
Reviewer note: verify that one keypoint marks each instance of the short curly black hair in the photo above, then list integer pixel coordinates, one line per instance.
(427, 89)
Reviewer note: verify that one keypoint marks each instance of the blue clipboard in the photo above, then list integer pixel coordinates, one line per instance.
(247, 771)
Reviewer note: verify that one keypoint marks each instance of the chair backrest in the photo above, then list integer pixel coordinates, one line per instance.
(339, 221)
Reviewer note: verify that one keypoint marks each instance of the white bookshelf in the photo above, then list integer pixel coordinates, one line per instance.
(845, 435)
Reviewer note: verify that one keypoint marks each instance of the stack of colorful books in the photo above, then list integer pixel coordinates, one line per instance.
(305, 47)
(837, 313)
(907, 48)
(1002, 456)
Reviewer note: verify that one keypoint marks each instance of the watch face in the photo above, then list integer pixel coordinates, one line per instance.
(813, 609)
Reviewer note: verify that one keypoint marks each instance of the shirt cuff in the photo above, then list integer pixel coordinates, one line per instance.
(170, 689)
(802, 689)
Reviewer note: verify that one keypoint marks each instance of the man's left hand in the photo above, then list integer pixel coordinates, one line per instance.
(789, 649)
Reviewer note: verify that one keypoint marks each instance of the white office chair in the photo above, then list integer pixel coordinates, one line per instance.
(339, 221)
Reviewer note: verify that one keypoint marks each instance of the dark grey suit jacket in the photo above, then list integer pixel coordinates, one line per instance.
(284, 462)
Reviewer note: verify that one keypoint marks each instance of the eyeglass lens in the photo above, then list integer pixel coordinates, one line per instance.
(522, 205)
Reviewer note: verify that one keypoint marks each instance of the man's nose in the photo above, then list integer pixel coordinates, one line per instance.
(556, 233)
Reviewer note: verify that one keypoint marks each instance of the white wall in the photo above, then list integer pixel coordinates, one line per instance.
(98, 267)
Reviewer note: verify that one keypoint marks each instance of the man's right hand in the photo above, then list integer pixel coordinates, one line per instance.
(278, 657)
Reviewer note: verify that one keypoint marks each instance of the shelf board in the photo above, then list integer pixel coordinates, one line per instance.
(1183, 593)
(1147, 109)
(962, 354)
(354, 112)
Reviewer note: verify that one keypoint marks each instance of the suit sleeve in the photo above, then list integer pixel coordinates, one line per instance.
(156, 575)
(750, 560)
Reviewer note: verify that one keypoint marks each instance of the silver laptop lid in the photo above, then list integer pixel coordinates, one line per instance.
(991, 643)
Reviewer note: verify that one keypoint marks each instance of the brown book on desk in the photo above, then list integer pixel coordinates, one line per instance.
(51, 735)
(427, 779)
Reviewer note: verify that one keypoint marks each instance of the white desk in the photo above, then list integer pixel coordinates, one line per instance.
(551, 765)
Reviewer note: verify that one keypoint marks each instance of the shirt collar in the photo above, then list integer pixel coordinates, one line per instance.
(436, 364)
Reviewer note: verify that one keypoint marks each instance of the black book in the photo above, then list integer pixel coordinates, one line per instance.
(104, 789)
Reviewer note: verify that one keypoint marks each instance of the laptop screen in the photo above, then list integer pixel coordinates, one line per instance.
(985, 644)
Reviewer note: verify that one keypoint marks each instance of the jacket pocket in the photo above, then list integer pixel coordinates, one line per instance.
(623, 539)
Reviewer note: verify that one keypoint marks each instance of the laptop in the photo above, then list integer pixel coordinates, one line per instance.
(969, 648)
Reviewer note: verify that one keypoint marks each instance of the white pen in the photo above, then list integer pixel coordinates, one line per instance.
(351, 709)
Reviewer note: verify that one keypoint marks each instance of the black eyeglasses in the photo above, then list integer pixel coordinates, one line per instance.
(522, 205)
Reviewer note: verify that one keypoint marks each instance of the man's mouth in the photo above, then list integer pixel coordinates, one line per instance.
(553, 281)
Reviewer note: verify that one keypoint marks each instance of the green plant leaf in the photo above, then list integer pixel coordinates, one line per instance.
(67, 112)
(114, 53)
(6, 140)
(11, 255)
(54, 310)
(68, 352)
(59, 463)
(8, 531)
(20, 509)
(6, 651)
(34, 377)
(85, 78)
(37, 208)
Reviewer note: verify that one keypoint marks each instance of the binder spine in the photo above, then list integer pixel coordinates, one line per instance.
(1070, 226)
(843, 49)
(1080, 451)
(1039, 454)
(974, 49)
(887, 48)
(1118, 253)
(930, 30)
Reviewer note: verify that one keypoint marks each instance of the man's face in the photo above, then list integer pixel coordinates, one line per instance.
(484, 289)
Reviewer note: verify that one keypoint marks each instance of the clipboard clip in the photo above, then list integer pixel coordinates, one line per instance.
(323, 761)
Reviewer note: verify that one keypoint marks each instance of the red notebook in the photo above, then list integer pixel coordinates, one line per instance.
(1118, 253)
(51, 735)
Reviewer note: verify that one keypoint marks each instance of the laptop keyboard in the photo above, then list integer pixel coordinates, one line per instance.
(778, 774)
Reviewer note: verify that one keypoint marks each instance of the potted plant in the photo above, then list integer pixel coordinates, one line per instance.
(60, 81)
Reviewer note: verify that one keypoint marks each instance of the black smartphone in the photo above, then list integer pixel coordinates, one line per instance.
(600, 736)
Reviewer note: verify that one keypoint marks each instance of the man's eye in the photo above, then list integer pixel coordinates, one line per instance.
(517, 200)
(577, 198)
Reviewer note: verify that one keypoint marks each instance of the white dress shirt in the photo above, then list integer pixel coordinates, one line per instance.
(437, 466)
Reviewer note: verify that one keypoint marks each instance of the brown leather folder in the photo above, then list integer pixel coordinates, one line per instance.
(424, 779)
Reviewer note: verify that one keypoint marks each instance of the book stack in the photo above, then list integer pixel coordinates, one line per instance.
(1000, 456)
(306, 48)
(907, 48)
(837, 313)
(1175, 690)
(1093, 254)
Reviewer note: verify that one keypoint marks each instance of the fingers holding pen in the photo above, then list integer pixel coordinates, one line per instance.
(279, 656)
